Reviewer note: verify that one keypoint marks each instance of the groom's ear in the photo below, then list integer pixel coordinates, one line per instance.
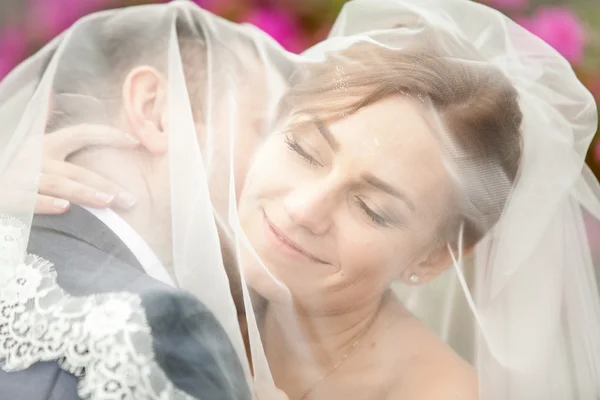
(144, 103)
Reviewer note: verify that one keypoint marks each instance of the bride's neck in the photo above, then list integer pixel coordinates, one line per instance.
(318, 341)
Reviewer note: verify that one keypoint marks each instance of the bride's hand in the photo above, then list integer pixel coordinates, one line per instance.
(62, 183)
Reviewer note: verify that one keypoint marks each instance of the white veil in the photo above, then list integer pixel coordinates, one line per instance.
(533, 290)
(522, 307)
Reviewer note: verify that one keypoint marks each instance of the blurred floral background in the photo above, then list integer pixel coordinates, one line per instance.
(570, 26)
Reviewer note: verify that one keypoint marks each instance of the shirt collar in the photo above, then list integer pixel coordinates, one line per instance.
(134, 242)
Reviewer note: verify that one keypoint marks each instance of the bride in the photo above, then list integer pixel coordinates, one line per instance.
(395, 154)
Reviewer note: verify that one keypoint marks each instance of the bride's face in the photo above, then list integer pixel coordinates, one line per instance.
(337, 211)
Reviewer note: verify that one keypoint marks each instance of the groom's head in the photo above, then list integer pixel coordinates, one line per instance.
(114, 68)
(114, 71)
(113, 65)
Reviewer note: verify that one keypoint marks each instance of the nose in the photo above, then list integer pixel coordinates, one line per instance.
(312, 207)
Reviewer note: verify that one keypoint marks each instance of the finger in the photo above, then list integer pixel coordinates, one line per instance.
(122, 198)
(64, 188)
(47, 205)
(62, 143)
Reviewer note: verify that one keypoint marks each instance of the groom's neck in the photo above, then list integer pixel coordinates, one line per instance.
(150, 216)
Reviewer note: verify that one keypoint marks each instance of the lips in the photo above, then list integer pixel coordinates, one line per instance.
(289, 243)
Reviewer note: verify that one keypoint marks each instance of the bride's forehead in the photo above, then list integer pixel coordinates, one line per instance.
(392, 122)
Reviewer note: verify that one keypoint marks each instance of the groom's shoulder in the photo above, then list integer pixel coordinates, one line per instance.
(192, 347)
(87, 256)
(188, 341)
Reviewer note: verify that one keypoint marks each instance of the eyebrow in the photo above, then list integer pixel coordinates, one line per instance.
(381, 185)
(326, 133)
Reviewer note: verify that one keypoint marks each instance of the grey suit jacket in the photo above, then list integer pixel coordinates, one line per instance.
(90, 259)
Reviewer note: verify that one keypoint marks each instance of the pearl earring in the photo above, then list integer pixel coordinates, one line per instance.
(414, 279)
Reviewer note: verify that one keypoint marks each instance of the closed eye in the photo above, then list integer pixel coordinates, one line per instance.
(372, 215)
(296, 148)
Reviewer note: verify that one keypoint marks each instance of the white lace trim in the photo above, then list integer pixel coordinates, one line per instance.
(103, 339)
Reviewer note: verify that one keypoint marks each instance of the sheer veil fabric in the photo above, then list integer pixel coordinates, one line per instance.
(428, 156)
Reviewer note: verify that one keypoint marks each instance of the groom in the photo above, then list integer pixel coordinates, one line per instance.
(99, 251)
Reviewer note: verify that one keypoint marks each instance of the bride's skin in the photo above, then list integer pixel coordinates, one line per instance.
(362, 197)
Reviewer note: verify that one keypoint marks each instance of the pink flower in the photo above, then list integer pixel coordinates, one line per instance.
(48, 18)
(597, 151)
(559, 27)
(511, 5)
(13, 48)
(279, 24)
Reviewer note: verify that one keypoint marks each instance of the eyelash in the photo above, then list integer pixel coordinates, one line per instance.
(373, 216)
(296, 148)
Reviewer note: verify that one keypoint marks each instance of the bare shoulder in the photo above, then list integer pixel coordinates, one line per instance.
(444, 380)
(438, 377)
(433, 371)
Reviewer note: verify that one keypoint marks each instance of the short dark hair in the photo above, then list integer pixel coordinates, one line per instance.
(101, 51)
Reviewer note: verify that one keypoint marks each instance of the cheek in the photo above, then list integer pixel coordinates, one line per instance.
(372, 258)
(375, 258)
